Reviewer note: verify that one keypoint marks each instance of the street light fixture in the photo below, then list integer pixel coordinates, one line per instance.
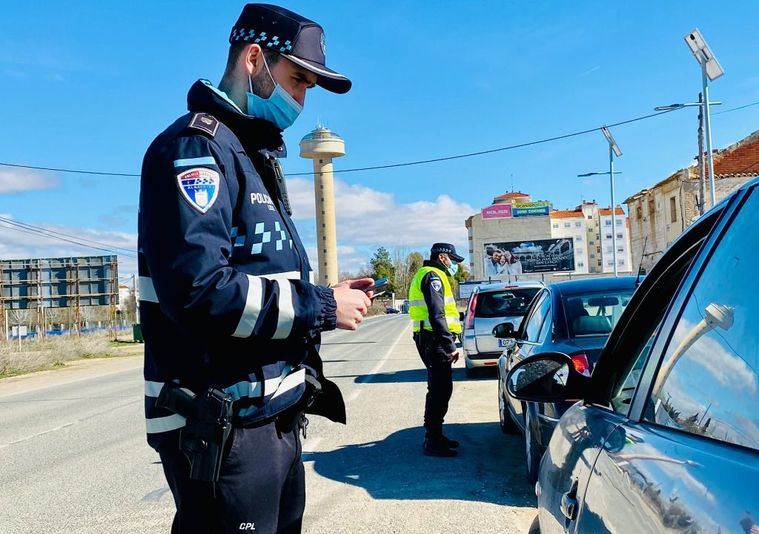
(710, 71)
(673, 107)
(605, 173)
(614, 150)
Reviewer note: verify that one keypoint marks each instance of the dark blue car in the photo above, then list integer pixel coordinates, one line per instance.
(665, 436)
(573, 317)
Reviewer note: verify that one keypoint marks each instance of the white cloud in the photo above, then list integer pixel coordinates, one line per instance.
(17, 180)
(19, 244)
(368, 218)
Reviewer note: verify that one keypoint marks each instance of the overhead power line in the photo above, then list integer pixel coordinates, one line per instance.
(736, 109)
(374, 167)
(38, 231)
(399, 164)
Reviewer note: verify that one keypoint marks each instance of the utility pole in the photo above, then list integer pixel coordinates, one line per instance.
(701, 166)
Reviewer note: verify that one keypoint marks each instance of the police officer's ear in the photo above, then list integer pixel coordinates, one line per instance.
(254, 59)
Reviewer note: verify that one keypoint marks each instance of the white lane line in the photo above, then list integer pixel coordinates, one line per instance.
(66, 425)
(313, 444)
(353, 396)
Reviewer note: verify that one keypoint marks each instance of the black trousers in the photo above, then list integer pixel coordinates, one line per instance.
(439, 381)
(261, 488)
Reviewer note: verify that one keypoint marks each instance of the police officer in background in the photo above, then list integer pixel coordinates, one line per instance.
(435, 319)
(230, 314)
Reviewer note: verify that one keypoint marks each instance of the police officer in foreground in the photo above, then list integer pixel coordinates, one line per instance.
(432, 307)
(230, 314)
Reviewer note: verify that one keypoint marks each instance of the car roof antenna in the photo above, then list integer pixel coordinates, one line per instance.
(640, 265)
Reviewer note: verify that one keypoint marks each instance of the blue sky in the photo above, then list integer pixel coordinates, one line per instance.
(88, 85)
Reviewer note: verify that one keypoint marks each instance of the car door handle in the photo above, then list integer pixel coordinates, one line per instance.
(569, 503)
(568, 506)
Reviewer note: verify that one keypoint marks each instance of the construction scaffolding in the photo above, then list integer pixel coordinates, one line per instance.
(37, 285)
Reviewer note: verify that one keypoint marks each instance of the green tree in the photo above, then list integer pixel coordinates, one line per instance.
(382, 267)
(414, 261)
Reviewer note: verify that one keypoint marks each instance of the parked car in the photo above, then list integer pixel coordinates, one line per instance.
(490, 305)
(665, 436)
(574, 317)
(390, 310)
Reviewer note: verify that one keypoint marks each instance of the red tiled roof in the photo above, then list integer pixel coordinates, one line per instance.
(566, 214)
(607, 211)
(741, 158)
(513, 194)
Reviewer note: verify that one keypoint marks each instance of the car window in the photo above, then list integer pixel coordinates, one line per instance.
(505, 303)
(622, 396)
(595, 314)
(532, 328)
(707, 383)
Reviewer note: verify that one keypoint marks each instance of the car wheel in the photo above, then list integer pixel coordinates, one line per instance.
(508, 426)
(533, 450)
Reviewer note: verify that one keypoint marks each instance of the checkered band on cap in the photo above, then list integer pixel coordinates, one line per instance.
(251, 36)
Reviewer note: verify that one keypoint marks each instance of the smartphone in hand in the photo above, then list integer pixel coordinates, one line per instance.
(379, 283)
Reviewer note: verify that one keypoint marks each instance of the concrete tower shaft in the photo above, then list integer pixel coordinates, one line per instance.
(321, 145)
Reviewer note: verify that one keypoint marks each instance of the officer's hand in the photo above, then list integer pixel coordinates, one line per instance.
(352, 302)
(453, 357)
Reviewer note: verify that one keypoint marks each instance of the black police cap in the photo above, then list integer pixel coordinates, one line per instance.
(447, 248)
(295, 37)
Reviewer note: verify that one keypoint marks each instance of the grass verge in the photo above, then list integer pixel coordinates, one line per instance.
(53, 352)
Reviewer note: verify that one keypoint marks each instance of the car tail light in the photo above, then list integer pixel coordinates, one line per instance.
(580, 361)
(470, 312)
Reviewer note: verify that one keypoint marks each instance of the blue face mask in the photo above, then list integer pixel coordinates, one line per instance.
(453, 268)
(280, 108)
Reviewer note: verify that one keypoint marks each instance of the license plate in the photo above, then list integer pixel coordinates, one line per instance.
(502, 343)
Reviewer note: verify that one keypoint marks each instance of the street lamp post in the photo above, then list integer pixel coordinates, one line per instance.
(613, 151)
(710, 71)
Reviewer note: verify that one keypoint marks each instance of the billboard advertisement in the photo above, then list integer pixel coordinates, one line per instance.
(497, 211)
(523, 257)
(531, 209)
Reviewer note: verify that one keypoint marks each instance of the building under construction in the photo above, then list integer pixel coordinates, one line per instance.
(39, 295)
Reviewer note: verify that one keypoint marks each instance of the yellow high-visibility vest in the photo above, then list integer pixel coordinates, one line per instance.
(418, 307)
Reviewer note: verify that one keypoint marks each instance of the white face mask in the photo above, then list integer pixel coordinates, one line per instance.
(280, 109)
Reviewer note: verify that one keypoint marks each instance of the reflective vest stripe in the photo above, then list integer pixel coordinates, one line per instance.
(290, 382)
(448, 300)
(254, 301)
(164, 424)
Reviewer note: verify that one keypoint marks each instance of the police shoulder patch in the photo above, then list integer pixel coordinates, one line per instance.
(204, 122)
(436, 284)
(200, 187)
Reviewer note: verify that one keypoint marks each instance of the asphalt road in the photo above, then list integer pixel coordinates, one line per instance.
(75, 460)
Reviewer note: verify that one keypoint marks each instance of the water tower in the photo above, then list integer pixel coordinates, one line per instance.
(321, 145)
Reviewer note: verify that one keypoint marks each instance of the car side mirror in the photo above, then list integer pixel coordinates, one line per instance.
(462, 316)
(504, 331)
(546, 377)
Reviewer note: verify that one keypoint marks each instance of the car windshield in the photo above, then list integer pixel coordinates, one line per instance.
(511, 302)
(595, 314)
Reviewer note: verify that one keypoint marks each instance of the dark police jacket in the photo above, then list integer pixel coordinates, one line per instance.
(226, 292)
(434, 297)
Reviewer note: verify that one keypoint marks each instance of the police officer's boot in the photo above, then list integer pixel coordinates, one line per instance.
(452, 443)
(437, 445)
